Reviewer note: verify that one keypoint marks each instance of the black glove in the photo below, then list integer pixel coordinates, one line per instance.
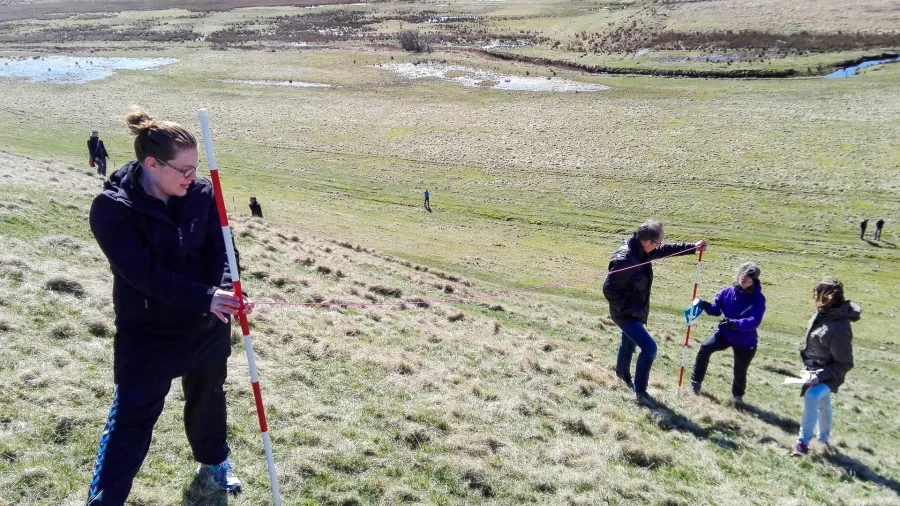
(704, 305)
(727, 324)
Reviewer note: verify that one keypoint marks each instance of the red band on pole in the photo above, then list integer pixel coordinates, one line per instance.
(220, 202)
(260, 412)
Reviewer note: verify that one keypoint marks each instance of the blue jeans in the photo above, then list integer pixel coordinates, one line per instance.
(816, 408)
(101, 165)
(634, 335)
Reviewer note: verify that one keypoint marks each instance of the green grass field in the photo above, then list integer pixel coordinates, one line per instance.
(508, 401)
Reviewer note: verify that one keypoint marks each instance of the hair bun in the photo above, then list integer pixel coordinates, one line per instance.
(139, 121)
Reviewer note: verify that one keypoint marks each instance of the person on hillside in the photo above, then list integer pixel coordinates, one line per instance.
(827, 357)
(862, 228)
(427, 200)
(879, 225)
(627, 288)
(255, 208)
(97, 152)
(158, 226)
(742, 306)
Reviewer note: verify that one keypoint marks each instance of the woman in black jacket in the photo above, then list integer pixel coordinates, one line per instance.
(97, 152)
(627, 288)
(159, 228)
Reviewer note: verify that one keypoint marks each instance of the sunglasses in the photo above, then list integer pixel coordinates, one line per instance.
(190, 171)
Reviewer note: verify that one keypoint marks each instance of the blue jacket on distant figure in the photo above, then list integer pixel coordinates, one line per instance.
(744, 310)
(167, 261)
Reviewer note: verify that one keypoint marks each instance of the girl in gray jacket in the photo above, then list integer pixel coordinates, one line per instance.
(827, 357)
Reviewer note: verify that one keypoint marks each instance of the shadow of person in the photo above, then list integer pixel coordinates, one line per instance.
(784, 423)
(203, 492)
(858, 470)
(781, 371)
(668, 419)
(888, 244)
(873, 243)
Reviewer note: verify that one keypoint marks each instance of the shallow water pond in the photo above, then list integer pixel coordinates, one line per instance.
(73, 69)
(472, 77)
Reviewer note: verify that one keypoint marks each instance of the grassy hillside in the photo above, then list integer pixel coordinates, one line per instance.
(508, 401)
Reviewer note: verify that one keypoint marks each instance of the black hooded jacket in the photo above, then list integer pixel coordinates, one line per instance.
(167, 261)
(628, 289)
(96, 148)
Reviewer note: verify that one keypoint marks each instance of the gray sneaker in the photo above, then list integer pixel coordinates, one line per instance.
(223, 474)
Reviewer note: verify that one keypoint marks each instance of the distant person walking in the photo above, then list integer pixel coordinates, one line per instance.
(158, 226)
(97, 153)
(628, 293)
(427, 201)
(862, 228)
(255, 208)
(827, 357)
(742, 305)
(879, 225)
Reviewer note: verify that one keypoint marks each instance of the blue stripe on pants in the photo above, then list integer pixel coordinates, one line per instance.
(104, 441)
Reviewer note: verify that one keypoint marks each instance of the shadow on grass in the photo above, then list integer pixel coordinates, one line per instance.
(202, 492)
(669, 419)
(873, 243)
(779, 370)
(858, 470)
(784, 423)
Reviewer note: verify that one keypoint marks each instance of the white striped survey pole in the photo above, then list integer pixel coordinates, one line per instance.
(235, 277)
(687, 336)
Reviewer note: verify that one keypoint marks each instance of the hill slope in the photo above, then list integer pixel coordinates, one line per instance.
(507, 401)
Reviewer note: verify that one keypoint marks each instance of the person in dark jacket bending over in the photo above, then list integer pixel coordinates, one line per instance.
(255, 208)
(827, 357)
(742, 305)
(97, 152)
(159, 228)
(628, 293)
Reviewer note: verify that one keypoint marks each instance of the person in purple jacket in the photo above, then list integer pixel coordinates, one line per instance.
(742, 306)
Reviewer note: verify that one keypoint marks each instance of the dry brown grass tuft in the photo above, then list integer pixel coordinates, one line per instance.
(64, 330)
(65, 284)
(577, 426)
(642, 456)
(456, 317)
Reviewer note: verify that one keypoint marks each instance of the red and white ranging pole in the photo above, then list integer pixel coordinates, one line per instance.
(687, 337)
(245, 327)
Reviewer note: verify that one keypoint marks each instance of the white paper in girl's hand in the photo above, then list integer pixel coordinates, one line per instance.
(802, 380)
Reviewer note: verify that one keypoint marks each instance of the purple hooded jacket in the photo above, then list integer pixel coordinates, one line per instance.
(744, 309)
